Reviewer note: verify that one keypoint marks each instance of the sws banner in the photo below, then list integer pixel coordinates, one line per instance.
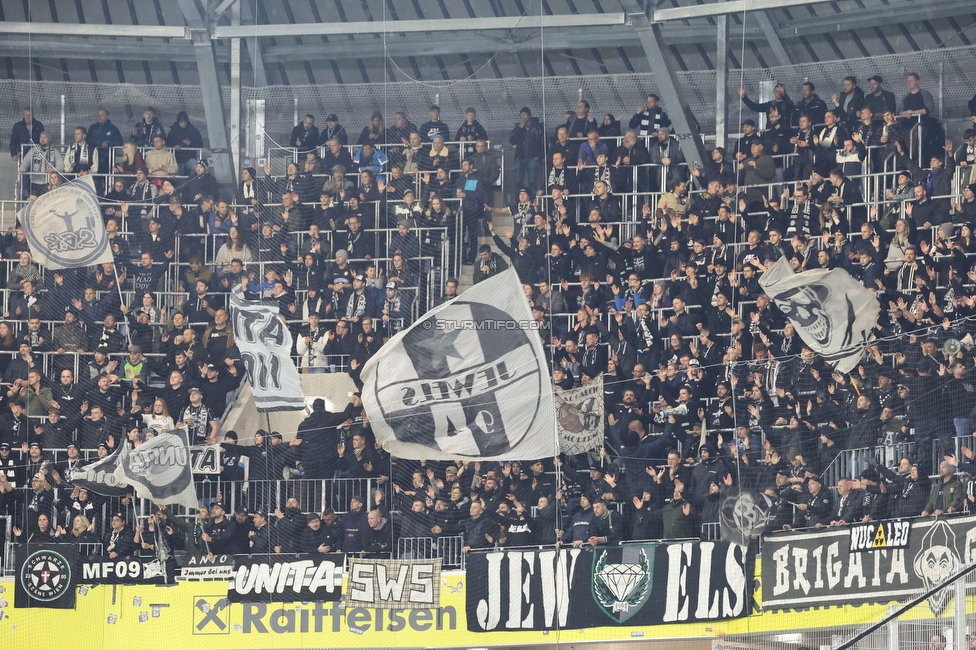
(582, 588)
(856, 565)
(394, 584)
(47, 575)
(121, 571)
(289, 579)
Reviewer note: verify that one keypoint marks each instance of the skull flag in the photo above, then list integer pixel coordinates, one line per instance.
(832, 312)
(468, 380)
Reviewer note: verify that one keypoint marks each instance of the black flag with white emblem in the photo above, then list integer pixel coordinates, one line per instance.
(468, 380)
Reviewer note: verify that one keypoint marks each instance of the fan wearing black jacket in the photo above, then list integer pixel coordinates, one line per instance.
(319, 439)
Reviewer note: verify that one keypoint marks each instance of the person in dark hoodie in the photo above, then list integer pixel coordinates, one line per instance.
(909, 488)
(377, 536)
(291, 525)
(319, 439)
(354, 522)
(610, 128)
(187, 141)
(711, 468)
(578, 531)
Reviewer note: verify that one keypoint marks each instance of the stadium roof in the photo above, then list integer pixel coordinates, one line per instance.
(342, 41)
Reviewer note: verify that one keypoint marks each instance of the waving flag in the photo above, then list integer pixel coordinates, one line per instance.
(832, 312)
(159, 470)
(467, 380)
(265, 343)
(64, 227)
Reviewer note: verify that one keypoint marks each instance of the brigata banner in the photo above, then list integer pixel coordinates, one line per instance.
(287, 579)
(121, 571)
(637, 584)
(394, 584)
(888, 561)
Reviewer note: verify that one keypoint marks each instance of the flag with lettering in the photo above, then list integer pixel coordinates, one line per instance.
(265, 344)
(832, 312)
(159, 470)
(579, 416)
(468, 380)
(99, 477)
(64, 228)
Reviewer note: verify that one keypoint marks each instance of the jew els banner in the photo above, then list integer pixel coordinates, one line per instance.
(640, 584)
(807, 569)
(287, 579)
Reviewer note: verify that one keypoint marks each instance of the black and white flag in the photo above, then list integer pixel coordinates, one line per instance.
(99, 477)
(832, 312)
(159, 470)
(579, 415)
(64, 227)
(467, 380)
(265, 343)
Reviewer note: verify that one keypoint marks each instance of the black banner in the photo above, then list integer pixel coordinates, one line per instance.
(816, 568)
(287, 579)
(639, 584)
(47, 575)
(121, 571)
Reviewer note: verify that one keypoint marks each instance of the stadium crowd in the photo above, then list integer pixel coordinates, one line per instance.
(642, 269)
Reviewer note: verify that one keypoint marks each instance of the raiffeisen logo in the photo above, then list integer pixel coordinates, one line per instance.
(272, 618)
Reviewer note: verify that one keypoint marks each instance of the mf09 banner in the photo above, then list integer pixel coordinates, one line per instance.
(880, 562)
(584, 588)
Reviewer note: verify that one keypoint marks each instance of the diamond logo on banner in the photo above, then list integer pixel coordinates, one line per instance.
(622, 588)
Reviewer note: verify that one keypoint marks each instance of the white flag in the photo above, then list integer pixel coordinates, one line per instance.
(468, 380)
(64, 227)
(832, 312)
(265, 344)
(159, 470)
(579, 415)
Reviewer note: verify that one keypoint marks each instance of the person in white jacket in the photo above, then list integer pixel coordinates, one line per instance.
(311, 344)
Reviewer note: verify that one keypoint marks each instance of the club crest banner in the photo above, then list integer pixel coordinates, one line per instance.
(832, 312)
(47, 575)
(579, 417)
(64, 227)
(468, 380)
(265, 343)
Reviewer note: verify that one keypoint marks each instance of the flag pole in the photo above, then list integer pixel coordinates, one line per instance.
(118, 285)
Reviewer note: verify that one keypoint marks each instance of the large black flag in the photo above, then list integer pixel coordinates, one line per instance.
(46, 576)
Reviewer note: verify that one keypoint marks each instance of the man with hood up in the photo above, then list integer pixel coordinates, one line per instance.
(187, 141)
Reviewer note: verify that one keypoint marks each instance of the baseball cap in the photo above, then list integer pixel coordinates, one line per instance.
(261, 512)
(391, 285)
(694, 362)
(135, 349)
(5, 446)
(332, 118)
(360, 278)
(196, 390)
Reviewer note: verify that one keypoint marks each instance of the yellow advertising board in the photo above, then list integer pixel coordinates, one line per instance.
(197, 615)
